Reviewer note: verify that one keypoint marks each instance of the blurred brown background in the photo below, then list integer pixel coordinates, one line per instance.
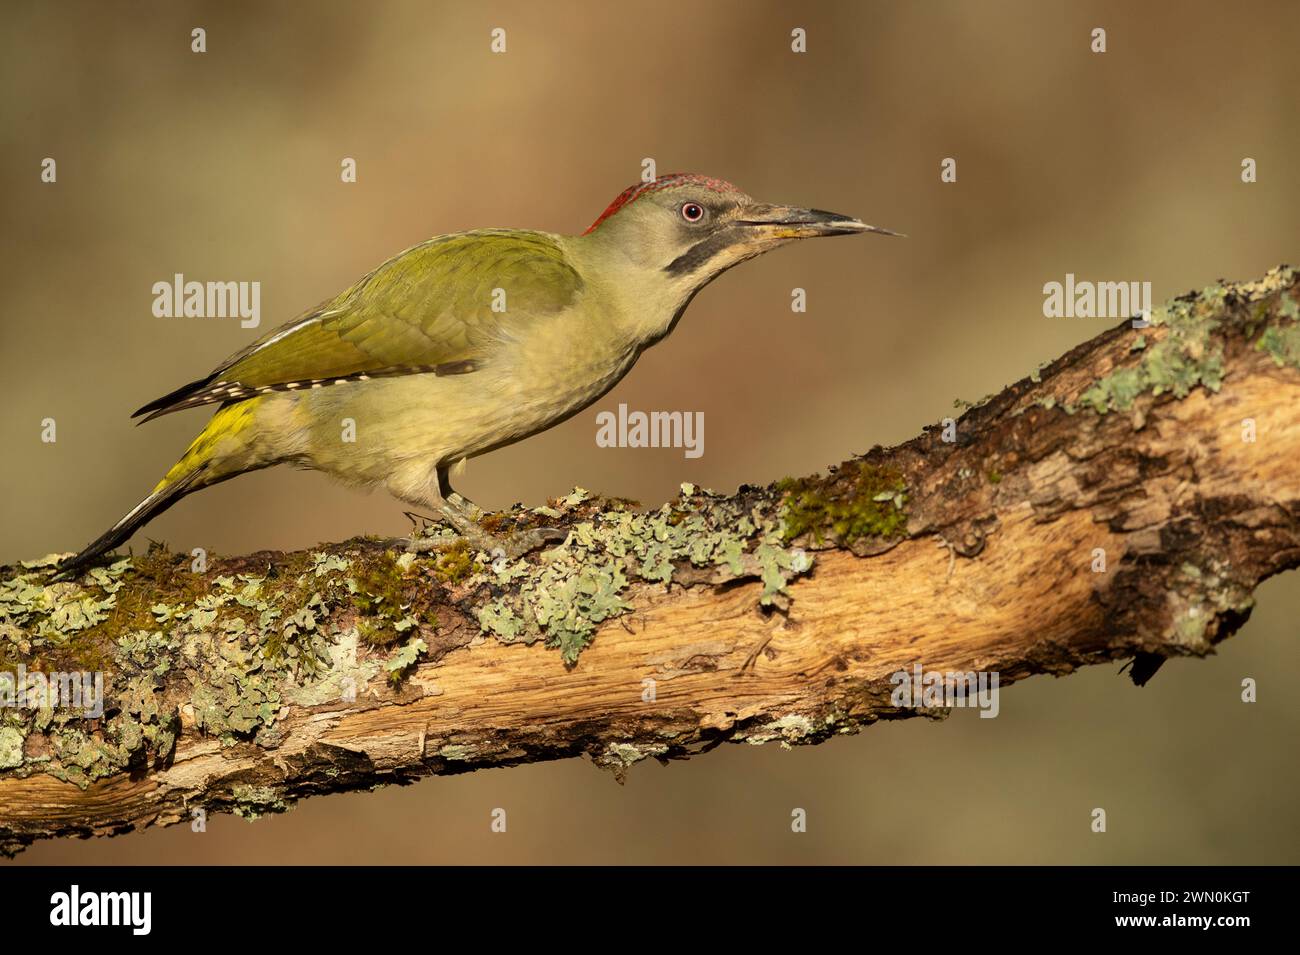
(225, 165)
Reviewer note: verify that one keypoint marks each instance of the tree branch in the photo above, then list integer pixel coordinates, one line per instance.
(1123, 504)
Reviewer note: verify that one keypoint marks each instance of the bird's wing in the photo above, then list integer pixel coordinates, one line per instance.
(430, 309)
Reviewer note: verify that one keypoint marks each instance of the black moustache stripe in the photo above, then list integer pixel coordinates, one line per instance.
(704, 250)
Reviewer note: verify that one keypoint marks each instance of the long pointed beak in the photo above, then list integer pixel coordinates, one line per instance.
(795, 223)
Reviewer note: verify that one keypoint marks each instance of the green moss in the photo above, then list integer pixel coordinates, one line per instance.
(454, 564)
(376, 634)
(390, 599)
(861, 501)
(378, 587)
(224, 647)
(231, 648)
(75, 626)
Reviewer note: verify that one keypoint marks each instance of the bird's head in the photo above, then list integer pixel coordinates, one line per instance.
(691, 228)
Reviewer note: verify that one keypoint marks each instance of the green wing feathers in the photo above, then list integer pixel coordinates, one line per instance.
(429, 309)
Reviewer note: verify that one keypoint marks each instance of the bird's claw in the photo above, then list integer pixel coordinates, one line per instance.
(535, 538)
(510, 546)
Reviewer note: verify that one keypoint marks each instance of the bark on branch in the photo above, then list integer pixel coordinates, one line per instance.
(1124, 503)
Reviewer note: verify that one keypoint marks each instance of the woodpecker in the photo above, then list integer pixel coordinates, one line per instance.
(466, 343)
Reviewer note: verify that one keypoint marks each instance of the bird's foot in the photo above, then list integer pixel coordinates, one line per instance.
(463, 517)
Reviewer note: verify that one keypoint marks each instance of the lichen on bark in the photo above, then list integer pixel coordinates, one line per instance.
(272, 676)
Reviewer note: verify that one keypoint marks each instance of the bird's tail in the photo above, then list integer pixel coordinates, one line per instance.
(200, 466)
(163, 497)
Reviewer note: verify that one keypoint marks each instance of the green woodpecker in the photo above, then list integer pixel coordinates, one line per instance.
(466, 343)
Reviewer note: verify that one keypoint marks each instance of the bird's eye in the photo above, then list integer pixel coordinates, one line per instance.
(692, 211)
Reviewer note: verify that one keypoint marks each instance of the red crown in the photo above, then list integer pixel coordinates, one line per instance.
(633, 193)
